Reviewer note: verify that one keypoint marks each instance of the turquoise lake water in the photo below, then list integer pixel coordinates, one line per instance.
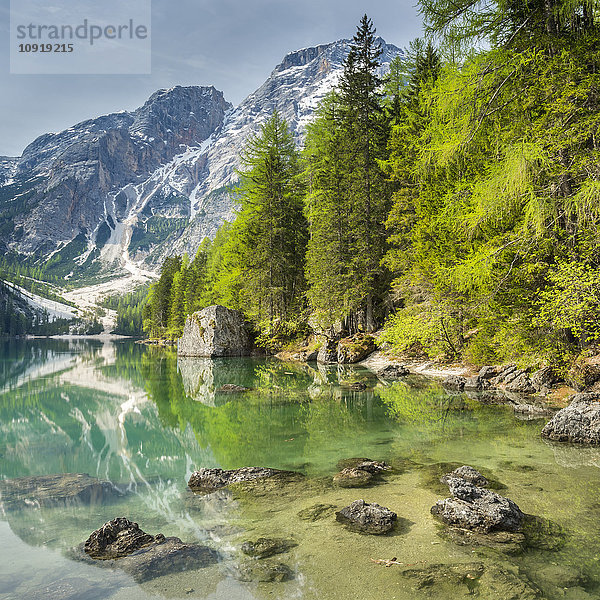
(135, 416)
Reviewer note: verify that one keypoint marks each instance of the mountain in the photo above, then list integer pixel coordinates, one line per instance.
(127, 189)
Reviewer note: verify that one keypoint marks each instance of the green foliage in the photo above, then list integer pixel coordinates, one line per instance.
(496, 215)
(462, 190)
(129, 308)
(153, 231)
(268, 238)
(348, 195)
(572, 300)
(422, 329)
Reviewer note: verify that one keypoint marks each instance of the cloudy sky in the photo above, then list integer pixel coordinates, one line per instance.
(231, 44)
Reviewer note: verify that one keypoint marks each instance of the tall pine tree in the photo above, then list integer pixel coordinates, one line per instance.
(267, 243)
(344, 165)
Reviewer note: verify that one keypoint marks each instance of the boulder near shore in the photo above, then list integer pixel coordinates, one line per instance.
(577, 423)
(215, 331)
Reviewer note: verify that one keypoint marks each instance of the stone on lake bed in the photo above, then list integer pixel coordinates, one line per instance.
(262, 571)
(468, 474)
(122, 544)
(265, 547)
(488, 581)
(352, 478)
(365, 464)
(316, 512)
(363, 517)
(54, 490)
(205, 479)
(358, 472)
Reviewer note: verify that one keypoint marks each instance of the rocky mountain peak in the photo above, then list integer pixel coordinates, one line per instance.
(129, 188)
(301, 57)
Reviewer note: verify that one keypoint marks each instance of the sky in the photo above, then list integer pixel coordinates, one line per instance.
(231, 44)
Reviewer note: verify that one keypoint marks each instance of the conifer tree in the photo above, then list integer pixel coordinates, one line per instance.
(353, 128)
(267, 243)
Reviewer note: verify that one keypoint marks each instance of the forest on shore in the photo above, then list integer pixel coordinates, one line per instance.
(455, 202)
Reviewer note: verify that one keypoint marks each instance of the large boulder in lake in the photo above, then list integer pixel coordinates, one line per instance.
(579, 422)
(122, 544)
(476, 508)
(215, 331)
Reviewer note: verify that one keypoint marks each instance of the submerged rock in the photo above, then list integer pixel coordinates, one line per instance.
(468, 474)
(439, 574)
(122, 544)
(213, 479)
(55, 490)
(507, 542)
(367, 518)
(476, 508)
(502, 582)
(316, 512)
(262, 571)
(561, 576)
(365, 464)
(454, 382)
(485, 581)
(70, 588)
(393, 372)
(543, 534)
(265, 547)
(579, 422)
(351, 478)
(215, 331)
(358, 472)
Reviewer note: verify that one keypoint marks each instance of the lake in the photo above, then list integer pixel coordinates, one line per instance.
(135, 416)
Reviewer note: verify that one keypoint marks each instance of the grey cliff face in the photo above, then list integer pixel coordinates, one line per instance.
(100, 191)
(74, 180)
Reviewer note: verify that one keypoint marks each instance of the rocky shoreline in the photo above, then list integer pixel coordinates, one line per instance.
(472, 517)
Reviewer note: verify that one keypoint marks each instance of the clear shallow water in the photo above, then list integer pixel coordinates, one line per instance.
(134, 416)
